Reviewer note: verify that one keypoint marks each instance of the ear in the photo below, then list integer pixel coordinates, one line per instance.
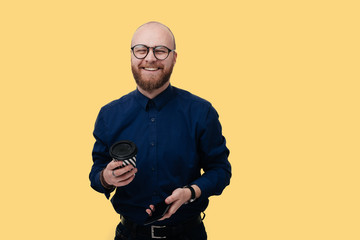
(175, 56)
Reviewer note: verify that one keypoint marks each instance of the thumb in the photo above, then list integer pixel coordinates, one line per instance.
(174, 196)
(170, 199)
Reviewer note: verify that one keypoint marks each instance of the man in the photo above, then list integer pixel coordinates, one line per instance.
(177, 134)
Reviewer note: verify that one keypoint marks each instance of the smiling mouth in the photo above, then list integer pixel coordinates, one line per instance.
(151, 69)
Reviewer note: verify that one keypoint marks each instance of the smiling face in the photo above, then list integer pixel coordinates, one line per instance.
(150, 73)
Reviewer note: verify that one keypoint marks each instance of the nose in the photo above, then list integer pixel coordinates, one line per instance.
(150, 57)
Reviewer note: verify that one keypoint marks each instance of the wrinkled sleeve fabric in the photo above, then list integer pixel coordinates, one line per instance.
(214, 156)
(100, 154)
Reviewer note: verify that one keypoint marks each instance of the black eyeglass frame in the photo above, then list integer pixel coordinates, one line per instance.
(153, 48)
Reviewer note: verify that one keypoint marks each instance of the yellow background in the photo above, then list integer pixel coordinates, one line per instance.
(283, 75)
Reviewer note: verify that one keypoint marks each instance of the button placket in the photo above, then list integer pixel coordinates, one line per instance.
(152, 144)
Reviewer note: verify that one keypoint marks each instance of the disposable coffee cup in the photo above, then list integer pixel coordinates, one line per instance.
(125, 151)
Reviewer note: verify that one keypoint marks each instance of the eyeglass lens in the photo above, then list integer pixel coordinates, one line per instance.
(160, 52)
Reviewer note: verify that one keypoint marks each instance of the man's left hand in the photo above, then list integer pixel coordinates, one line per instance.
(178, 197)
(176, 200)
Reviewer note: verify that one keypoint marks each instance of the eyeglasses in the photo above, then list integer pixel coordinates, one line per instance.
(140, 51)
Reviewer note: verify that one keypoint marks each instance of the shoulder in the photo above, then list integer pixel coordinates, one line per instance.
(194, 106)
(117, 104)
(190, 98)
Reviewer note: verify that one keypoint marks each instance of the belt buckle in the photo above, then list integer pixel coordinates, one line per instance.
(153, 232)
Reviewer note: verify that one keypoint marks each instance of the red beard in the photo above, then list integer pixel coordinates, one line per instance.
(153, 82)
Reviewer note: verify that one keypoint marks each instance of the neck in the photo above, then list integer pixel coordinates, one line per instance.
(152, 94)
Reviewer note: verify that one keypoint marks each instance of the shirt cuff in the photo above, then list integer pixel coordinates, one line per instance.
(104, 183)
(107, 189)
(202, 184)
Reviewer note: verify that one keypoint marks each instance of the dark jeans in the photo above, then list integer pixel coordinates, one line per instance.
(196, 233)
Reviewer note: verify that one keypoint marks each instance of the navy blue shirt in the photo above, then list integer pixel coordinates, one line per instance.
(177, 135)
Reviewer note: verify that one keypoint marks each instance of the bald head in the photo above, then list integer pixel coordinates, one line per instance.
(155, 30)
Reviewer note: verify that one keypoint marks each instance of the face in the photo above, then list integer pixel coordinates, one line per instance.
(151, 73)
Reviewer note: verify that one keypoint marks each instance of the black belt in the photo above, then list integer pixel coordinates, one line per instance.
(160, 232)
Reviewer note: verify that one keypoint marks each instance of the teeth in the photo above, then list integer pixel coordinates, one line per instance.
(151, 69)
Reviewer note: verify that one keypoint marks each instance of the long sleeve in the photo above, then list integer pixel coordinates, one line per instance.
(100, 156)
(214, 156)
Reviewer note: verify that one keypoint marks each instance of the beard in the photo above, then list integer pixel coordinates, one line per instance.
(153, 82)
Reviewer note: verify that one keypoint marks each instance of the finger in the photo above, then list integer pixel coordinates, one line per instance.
(170, 199)
(173, 208)
(152, 208)
(114, 164)
(122, 171)
(149, 212)
(167, 215)
(126, 176)
(125, 182)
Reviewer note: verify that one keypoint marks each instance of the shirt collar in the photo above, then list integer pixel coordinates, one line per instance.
(160, 100)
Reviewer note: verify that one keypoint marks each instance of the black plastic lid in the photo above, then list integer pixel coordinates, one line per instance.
(123, 150)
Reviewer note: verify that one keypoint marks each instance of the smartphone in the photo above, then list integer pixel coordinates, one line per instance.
(160, 210)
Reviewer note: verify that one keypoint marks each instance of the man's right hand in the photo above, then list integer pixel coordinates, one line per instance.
(119, 177)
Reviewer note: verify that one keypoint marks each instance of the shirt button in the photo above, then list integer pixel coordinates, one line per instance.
(153, 169)
(152, 119)
(152, 144)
